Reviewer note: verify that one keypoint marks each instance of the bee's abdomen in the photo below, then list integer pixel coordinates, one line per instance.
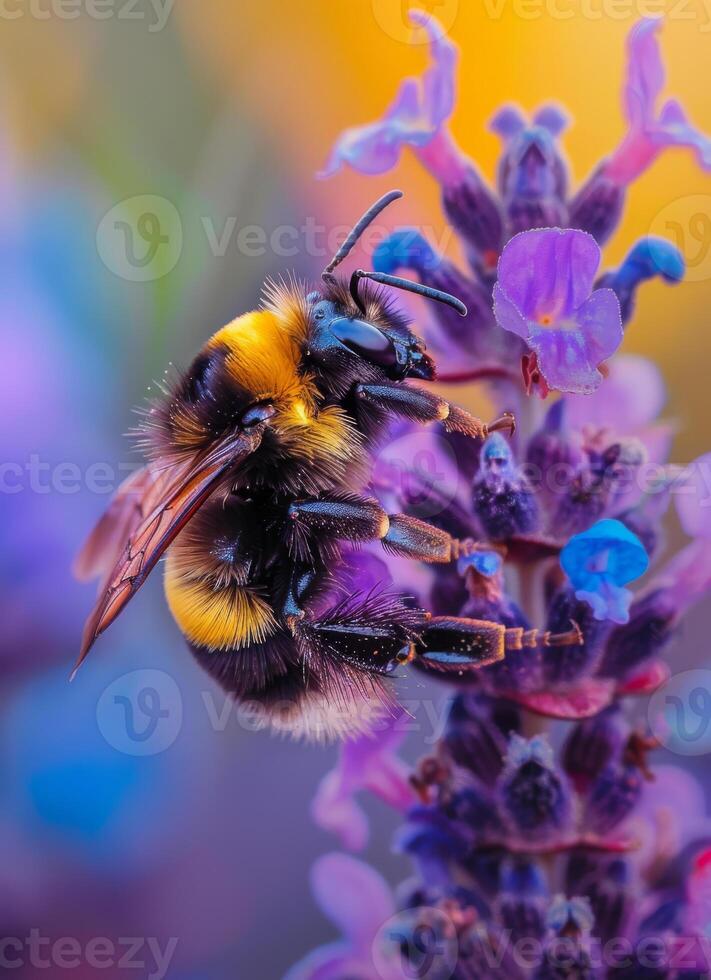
(218, 617)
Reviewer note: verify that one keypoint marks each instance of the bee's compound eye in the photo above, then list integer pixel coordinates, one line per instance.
(256, 414)
(366, 340)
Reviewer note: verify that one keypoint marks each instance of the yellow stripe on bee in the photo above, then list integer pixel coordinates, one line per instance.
(264, 357)
(228, 618)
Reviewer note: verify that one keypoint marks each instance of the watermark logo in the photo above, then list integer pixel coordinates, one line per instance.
(420, 470)
(154, 13)
(393, 17)
(419, 942)
(141, 239)
(141, 713)
(680, 713)
(687, 223)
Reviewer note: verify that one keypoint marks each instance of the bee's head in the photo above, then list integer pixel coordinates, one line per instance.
(355, 331)
(363, 342)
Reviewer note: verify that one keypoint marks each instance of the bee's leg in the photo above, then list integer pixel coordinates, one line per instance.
(454, 645)
(372, 633)
(365, 520)
(423, 406)
(301, 584)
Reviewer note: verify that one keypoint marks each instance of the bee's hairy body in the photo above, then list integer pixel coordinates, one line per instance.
(228, 575)
(259, 464)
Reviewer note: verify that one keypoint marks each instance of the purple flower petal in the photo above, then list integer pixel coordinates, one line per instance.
(543, 294)
(548, 273)
(420, 109)
(686, 578)
(676, 130)
(600, 323)
(660, 825)
(368, 762)
(354, 897)
(631, 396)
(335, 811)
(645, 72)
(508, 315)
(563, 360)
(508, 122)
(583, 699)
(552, 118)
(332, 962)
(649, 133)
(567, 359)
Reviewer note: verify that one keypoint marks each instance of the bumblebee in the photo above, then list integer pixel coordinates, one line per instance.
(257, 474)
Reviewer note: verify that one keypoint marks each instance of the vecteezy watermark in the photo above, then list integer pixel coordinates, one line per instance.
(597, 10)
(419, 942)
(687, 223)
(679, 713)
(154, 12)
(393, 17)
(35, 475)
(429, 943)
(40, 952)
(421, 469)
(424, 716)
(141, 238)
(141, 713)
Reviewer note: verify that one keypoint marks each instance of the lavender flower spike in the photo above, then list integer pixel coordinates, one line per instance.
(599, 562)
(649, 133)
(416, 118)
(544, 294)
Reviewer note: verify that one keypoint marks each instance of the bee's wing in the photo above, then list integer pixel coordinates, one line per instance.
(135, 498)
(168, 502)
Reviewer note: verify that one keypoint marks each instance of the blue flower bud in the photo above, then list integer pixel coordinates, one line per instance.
(649, 258)
(405, 248)
(599, 562)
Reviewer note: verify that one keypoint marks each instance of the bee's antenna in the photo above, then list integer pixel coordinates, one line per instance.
(370, 215)
(407, 284)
